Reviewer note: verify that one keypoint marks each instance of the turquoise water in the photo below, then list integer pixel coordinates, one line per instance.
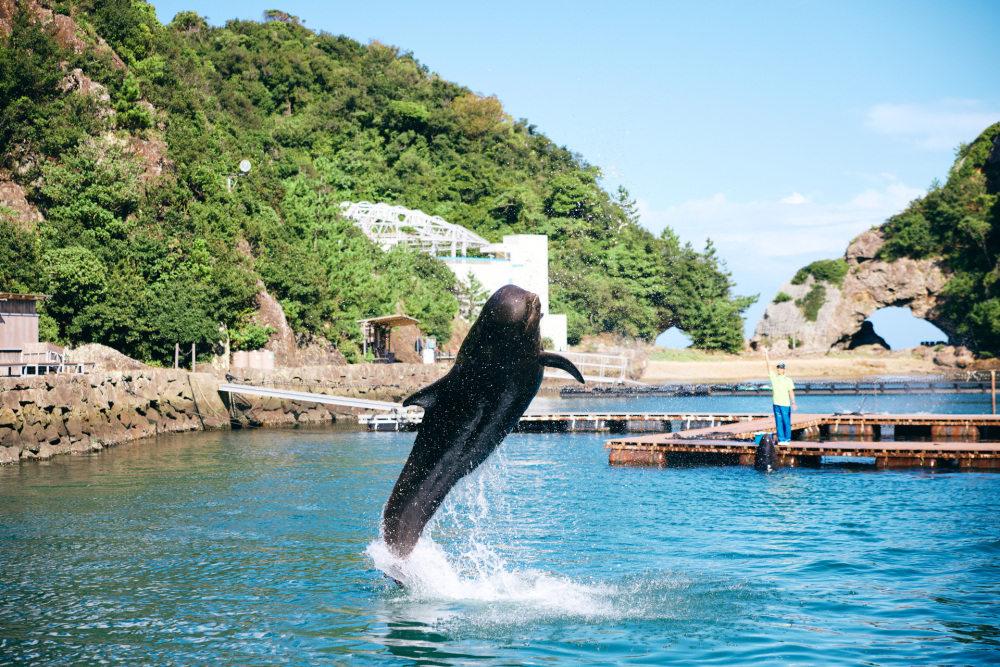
(257, 548)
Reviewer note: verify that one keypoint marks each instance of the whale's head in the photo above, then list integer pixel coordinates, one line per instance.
(506, 332)
(516, 311)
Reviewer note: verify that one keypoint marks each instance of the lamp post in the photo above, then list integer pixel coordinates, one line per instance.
(244, 170)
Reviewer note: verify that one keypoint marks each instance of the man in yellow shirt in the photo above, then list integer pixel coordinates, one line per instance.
(783, 397)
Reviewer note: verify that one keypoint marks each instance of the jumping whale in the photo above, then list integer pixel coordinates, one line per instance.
(469, 411)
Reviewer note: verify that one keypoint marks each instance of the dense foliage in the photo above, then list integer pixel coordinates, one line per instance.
(960, 222)
(831, 271)
(140, 261)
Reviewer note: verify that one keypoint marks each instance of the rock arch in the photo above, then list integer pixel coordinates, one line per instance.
(870, 284)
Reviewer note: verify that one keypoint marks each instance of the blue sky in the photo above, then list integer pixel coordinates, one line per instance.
(780, 129)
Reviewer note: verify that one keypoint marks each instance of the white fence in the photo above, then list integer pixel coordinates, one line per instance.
(595, 367)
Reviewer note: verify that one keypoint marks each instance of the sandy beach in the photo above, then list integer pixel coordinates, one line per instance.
(738, 367)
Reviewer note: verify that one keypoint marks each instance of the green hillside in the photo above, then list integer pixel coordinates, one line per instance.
(143, 245)
(960, 222)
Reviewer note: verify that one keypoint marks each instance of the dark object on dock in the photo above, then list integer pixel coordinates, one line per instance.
(766, 458)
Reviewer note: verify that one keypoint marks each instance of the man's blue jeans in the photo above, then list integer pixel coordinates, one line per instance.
(783, 422)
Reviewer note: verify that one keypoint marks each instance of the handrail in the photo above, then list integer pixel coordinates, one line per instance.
(607, 366)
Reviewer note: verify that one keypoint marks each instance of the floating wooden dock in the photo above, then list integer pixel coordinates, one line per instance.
(932, 441)
(580, 422)
(802, 387)
(627, 422)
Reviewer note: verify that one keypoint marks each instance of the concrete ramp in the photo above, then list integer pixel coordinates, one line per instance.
(309, 397)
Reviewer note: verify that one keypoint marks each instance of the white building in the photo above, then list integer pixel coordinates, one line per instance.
(521, 260)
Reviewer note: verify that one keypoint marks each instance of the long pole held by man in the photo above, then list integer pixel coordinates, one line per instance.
(783, 398)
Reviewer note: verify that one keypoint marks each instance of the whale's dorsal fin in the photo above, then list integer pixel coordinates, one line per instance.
(557, 361)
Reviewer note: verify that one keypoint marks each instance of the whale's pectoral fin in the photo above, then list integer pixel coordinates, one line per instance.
(555, 361)
(428, 396)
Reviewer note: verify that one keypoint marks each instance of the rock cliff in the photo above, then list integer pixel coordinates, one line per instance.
(870, 284)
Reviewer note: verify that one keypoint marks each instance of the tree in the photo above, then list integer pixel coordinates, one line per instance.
(90, 195)
(76, 279)
(471, 296)
(18, 255)
(170, 254)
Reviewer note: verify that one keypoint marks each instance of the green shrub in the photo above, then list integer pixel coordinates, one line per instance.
(782, 297)
(812, 302)
(830, 271)
(250, 336)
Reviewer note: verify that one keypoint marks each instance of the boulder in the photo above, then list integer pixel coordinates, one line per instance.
(10, 455)
(9, 437)
(104, 358)
(282, 342)
(8, 418)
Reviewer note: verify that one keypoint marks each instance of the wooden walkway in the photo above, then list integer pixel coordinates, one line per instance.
(802, 388)
(627, 422)
(579, 422)
(951, 441)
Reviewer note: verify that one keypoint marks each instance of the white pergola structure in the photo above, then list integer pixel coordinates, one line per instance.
(390, 226)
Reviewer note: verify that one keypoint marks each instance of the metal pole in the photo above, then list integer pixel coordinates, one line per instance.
(993, 389)
(192, 357)
(177, 356)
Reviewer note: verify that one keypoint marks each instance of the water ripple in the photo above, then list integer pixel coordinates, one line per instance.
(261, 548)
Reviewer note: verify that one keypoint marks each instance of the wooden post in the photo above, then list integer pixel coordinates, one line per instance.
(192, 357)
(177, 356)
(993, 389)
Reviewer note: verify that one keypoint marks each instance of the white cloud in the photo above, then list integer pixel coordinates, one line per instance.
(773, 230)
(794, 198)
(940, 126)
(765, 243)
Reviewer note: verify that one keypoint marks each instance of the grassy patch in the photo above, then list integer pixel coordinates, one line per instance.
(830, 271)
(812, 302)
(687, 354)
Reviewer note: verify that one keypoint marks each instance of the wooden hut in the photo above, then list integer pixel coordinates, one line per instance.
(20, 351)
(376, 335)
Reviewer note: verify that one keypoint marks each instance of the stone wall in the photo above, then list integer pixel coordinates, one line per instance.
(44, 416)
(48, 415)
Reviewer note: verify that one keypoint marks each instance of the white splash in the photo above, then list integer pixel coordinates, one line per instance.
(430, 574)
(477, 527)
